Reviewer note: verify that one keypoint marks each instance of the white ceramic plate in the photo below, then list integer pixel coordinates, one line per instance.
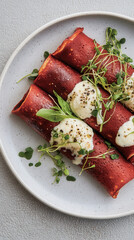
(85, 197)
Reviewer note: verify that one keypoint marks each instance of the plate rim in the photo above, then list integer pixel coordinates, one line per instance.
(11, 58)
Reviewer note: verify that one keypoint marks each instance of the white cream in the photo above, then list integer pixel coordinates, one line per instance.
(129, 89)
(125, 137)
(80, 136)
(82, 100)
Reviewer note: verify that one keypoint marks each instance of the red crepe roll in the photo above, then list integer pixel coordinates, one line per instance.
(55, 75)
(113, 174)
(78, 49)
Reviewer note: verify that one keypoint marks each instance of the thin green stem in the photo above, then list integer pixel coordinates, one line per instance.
(24, 77)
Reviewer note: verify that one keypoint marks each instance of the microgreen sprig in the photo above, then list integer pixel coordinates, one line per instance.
(28, 153)
(57, 159)
(31, 75)
(35, 72)
(87, 165)
(113, 45)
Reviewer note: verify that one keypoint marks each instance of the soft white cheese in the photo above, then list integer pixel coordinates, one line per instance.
(80, 136)
(82, 100)
(129, 89)
(125, 137)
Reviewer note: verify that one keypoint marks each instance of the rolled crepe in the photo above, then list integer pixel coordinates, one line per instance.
(113, 174)
(55, 75)
(78, 49)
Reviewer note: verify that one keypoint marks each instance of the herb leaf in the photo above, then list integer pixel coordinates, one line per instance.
(21, 154)
(63, 104)
(38, 164)
(51, 115)
(122, 40)
(46, 54)
(108, 144)
(34, 74)
(29, 149)
(82, 151)
(94, 113)
(66, 137)
(27, 154)
(126, 58)
(71, 178)
(84, 78)
(66, 172)
(30, 164)
(57, 114)
(114, 156)
(31, 75)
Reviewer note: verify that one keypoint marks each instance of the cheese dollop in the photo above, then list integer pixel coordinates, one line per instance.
(129, 89)
(82, 100)
(125, 135)
(80, 137)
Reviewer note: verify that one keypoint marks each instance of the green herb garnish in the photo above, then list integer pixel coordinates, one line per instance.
(126, 59)
(52, 152)
(66, 137)
(30, 164)
(71, 178)
(87, 165)
(38, 164)
(63, 104)
(31, 75)
(57, 113)
(94, 113)
(21, 154)
(97, 51)
(113, 45)
(55, 134)
(46, 54)
(131, 133)
(114, 156)
(82, 151)
(27, 154)
(108, 144)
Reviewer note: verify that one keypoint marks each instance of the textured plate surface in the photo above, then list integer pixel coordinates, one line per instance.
(85, 197)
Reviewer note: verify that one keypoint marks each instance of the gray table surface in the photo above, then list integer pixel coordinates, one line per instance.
(21, 215)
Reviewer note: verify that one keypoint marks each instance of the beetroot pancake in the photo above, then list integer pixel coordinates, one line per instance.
(78, 49)
(113, 174)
